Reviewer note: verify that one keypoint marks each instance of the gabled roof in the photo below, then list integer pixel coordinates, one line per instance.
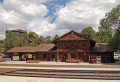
(40, 48)
(102, 47)
(22, 49)
(46, 47)
(72, 35)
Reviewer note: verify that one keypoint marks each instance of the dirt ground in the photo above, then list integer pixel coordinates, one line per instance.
(3, 70)
(64, 66)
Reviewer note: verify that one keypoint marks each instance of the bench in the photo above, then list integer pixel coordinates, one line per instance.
(3, 60)
(32, 61)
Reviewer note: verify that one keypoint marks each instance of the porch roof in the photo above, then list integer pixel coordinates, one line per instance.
(40, 48)
(102, 47)
(22, 49)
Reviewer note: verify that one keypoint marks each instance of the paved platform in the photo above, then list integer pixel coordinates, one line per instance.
(55, 63)
(35, 79)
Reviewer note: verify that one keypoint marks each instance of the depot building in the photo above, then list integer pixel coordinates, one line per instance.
(71, 47)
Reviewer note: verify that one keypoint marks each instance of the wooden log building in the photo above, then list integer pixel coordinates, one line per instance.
(71, 47)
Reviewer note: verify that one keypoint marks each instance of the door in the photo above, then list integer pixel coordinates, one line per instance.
(64, 57)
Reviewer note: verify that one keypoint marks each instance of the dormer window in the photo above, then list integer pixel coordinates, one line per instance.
(72, 32)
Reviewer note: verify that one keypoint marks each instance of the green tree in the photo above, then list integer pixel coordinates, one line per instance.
(9, 40)
(110, 23)
(42, 40)
(102, 37)
(55, 37)
(33, 39)
(89, 32)
(22, 41)
(114, 42)
(47, 40)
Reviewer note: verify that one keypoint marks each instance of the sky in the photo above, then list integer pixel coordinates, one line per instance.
(51, 17)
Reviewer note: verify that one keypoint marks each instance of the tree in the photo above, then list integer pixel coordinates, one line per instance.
(33, 39)
(22, 41)
(42, 40)
(55, 37)
(89, 32)
(47, 40)
(1, 46)
(102, 37)
(110, 24)
(114, 42)
(9, 40)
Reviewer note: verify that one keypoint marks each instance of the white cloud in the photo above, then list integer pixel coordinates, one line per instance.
(29, 15)
(24, 14)
(79, 14)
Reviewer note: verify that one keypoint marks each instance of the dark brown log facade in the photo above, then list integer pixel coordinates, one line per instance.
(71, 47)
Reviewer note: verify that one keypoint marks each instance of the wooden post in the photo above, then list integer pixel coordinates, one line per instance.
(89, 57)
(57, 53)
(11, 55)
(20, 56)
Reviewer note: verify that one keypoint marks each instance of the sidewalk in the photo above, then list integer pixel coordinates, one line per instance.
(55, 63)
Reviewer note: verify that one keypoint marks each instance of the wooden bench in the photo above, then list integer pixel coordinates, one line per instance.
(3, 60)
(32, 61)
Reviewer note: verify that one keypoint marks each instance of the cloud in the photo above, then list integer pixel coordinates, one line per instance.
(30, 15)
(79, 14)
(24, 14)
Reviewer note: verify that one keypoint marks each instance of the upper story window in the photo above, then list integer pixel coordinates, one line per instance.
(72, 44)
(83, 43)
(63, 44)
(44, 55)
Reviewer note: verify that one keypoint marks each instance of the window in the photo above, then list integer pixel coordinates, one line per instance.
(72, 32)
(63, 44)
(83, 43)
(73, 56)
(44, 55)
(65, 56)
(72, 44)
(52, 55)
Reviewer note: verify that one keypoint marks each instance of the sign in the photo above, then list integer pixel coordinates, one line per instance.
(116, 55)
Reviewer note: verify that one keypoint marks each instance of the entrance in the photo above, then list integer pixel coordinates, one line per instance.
(64, 57)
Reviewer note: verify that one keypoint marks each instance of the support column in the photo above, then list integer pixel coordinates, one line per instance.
(89, 57)
(57, 56)
(82, 57)
(20, 56)
(24, 56)
(57, 53)
(11, 56)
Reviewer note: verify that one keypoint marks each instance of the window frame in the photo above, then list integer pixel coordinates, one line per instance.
(44, 55)
(72, 44)
(53, 55)
(83, 43)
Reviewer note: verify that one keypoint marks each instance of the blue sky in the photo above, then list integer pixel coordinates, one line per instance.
(1, 1)
(52, 6)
